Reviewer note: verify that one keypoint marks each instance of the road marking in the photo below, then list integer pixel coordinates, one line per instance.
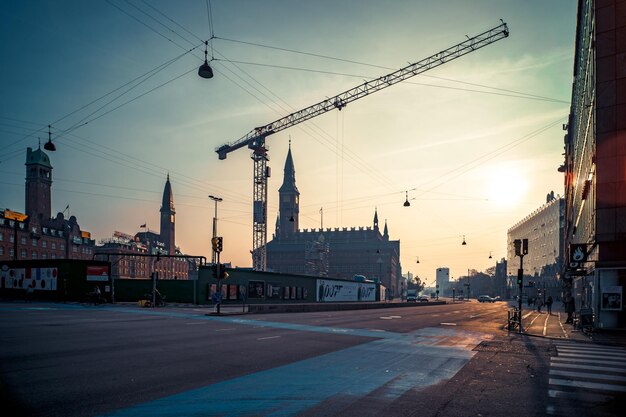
(589, 355)
(588, 367)
(610, 352)
(588, 375)
(268, 337)
(585, 384)
(590, 347)
(447, 324)
(545, 326)
(225, 330)
(597, 361)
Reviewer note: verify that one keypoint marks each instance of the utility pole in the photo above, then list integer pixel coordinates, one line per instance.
(521, 249)
(215, 256)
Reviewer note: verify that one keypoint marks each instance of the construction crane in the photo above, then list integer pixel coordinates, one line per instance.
(255, 140)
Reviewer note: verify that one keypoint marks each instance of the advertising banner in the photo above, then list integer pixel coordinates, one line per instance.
(330, 290)
(256, 289)
(611, 298)
(39, 278)
(97, 273)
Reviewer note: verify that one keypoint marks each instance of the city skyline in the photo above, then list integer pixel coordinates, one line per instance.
(473, 163)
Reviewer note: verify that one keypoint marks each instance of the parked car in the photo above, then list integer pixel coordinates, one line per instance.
(423, 298)
(485, 299)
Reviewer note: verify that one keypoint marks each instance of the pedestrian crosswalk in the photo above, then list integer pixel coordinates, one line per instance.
(586, 375)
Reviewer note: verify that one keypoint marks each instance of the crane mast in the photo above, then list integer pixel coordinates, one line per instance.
(255, 140)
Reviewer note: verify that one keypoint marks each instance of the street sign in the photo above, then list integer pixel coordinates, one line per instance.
(577, 253)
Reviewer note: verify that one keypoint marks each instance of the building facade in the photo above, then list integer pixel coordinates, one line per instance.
(338, 252)
(35, 234)
(141, 255)
(595, 165)
(543, 264)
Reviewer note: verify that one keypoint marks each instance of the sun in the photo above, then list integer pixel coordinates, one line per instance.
(506, 185)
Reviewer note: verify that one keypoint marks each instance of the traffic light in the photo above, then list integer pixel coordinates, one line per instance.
(525, 246)
(518, 247)
(223, 273)
(216, 242)
(520, 277)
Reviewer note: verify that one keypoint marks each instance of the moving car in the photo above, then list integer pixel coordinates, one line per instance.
(485, 299)
(411, 295)
(422, 298)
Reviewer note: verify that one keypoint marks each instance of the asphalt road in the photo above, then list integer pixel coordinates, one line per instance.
(75, 360)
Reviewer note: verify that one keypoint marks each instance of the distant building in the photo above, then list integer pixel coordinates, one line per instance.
(338, 253)
(544, 230)
(35, 234)
(595, 161)
(442, 280)
(134, 256)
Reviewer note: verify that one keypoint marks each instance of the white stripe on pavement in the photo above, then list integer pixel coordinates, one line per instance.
(592, 352)
(600, 362)
(590, 385)
(591, 348)
(605, 377)
(589, 355)
(588, 367)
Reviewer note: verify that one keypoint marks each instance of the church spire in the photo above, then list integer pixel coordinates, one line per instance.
(289, 196)
(386, 231)
(289, 179)
(376, 219)
(167, 232)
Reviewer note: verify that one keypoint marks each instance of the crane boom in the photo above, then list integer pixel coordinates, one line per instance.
(341, 100)
(255, 140)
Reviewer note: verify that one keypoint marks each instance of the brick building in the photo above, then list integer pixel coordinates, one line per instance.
(35, 234)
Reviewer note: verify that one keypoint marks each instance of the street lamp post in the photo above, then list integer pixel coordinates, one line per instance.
(216, 200)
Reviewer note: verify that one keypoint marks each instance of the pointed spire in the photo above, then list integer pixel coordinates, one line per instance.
(289, 180)
(386, 231)
(376, 218)
(167, 204)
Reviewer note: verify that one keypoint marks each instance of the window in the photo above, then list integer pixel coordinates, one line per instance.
(1, 250)
(11, 253)
(23, 240)
(62, 246)
(74, 249)
(24, 253)
(1, 237)
(54, 256)
(11, 238)
(34, 255)
(53, 245)
(44, 244)
(44, 255)
(34, 242)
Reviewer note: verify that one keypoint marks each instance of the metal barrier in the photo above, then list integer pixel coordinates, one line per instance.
(514, 319)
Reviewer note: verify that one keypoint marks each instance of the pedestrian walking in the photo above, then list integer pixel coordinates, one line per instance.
(570, 308)
(539, 304)
(549, 304)
(30, 290)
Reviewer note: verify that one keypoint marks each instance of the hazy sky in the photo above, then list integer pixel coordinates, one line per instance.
(477, 141)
